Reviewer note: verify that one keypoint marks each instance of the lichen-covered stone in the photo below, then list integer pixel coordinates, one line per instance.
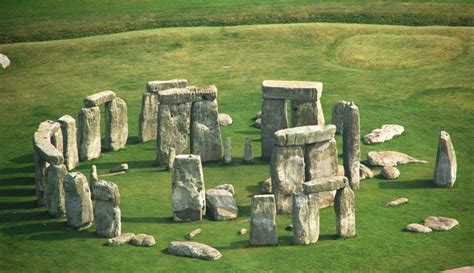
(344, 205)
(227, 150)
(446, 164)
(89, 133)
(194, 250)
(187, 95)
(78, 201)
(321, 160)
(120, 168)
(304, 135)
(205, 131)
(292, 90)
(389, 172)
(390, 158)
(155, 86)
(326, 184)
(148, 118)
(40, 179)
(351, 145)
(338, 115)
(440, 223)
(48, 142)
(248, 153)
(220, 205)
(69, 132)
(380, 135)
(116, 124)
(263, 228)
(305, 218)
(306, 113)
(99, 98)
(143, 240)
(365, 172)
(193, 234)
(107, 214)
(267, 186)
(397, 202)
(120, 240)
(274, 118)
(54, 190)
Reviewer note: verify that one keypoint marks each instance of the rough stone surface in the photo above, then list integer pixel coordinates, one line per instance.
(40, 179)
(116, 124)
(227, 187)
(227, 150)
(89, 133)
(325, 184)
(248, 153)
(47, 142)
(306, 113)
(54, 190)
(4, 61)
(78, 200)
(205, 131)
(417, 228)
(365, 172)
(257, 123)
(174, 123)
(287, 169)
(267, 186)
(390, 172)
(220, 205)
(321, 160)
(99, 98)
(193, 234)
(263, 228)
(292, 90)
(224, 119)
(143, 240)
(93, 178)
(351, 145)
(338, 115)
(446, 165)
(155, 86)
(243, 231)
(107, 213)
(440, 223)
(397, 202)
(340, 170)
(171, 158)
(274, 118)
(148, 118)
(188, 192)
(69, 132)
(380, 135)
(305, 218)
(120, 168)
(344, 205)
(187, 95)
(122, 239)
(303, 135)
(390, 158)
(194, 250)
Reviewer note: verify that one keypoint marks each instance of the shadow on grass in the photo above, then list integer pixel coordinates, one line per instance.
(148, 220)
(139, 164)
(24, 216)
(16, 181)
(28, 158)
(30, 204)
(24, 169)
(65, 234)
(254, 189)
(237, 161)
(17, 192)
(415, 184)
(249, 132)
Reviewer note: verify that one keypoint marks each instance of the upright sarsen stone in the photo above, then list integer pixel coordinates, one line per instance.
(344, 206)
(54, 190)
(306, 113)
(78, 201)
(89, 133)
(248, 151)
(351, 145)
(40, 179)
(69, 132)
(274, 118)
(116, 124)
(148, 119)
(263, 228)
(205, 131)
(107, 212)
(338, 115)
(305, 218)
(227, 150)
(446, 165)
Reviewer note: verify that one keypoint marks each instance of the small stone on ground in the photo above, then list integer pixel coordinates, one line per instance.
(418, 228)
(242, 231)
(439, 223)
(120, 168)
(192, 234)
(397, 202)
(143, 240)
(120, 240)
(194, 250)
(224, 119)
(390, 172)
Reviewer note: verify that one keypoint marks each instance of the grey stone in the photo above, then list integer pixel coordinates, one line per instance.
(205, 131)
(69, 132)
(193, 234)
(344, 205)
(351, 145)
(267, 186)
(390, 158)
(287, 169)
(257, 123)
(390, 172)
(274, 118)
(227, 187)
(227, 150)
(263, 228)
(93, 178)
(305, 218)
(78, 201)
(54, 190)
(143, 240)
(40, 179)
(440, 223)
(224, 119)
(107, 214)
(340, 170)
(47, 142)
(365, 172)
(171, 157)
(321, 160)
(417, 228)
(338, 115)
(89, 133)
(306, 113)
(187, 95)
(383, 134)
(397, 202)
(194, 250)
(304, 135)
(292, 90)
(148, 118)
(116, 124)
(220, 205)
(326, 184)
(289, 227)
(120, 240)
(248, 153)
(243, 231)
(4, 61)
(99, 98)
(120, 168)
(188, 191)
(446, 165)
(155, 86)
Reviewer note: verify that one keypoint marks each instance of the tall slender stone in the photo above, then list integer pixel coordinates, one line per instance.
(78, 201)
(305, 218)
(227, 150)
(344, 206)
(93, 176)
(116, 124)
(40, 179)
(351, 145)
(446, 165)
(89, 133)
(205, 131)
(107, 211)
(306, 113)
(171, 158)
(263, 228)
(69, 132)
(248, 153)
(54, 190)
(338, 115)
(148, 119)
(274, 118)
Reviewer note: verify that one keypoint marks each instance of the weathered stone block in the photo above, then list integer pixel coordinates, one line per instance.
(325, 184)
(78, 200)
(274, 118)
(338, 115)
(107, 212)
(220, 205)
(40, 179)
(148, 119)
(194, 250)
(69, 132)
(351, 145)
(306, 113)
(446, 164)
(186, 95)
(227, 150)
(54, 190)
(305, 218)
(48, 142)
(155, 86)
(248, 151)
(344, 205)
(205, 131)
(89, 133)
(99, 98)
(321, 159)
(292, 90)
(116, 124)
(304, 135)
(263, 228)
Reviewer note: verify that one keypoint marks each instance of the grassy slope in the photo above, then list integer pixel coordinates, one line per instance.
(31, 20)
(50, 79)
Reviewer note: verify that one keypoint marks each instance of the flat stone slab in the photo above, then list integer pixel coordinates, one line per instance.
(99, 98)
(397, 202)
(390, 158)
(440, 223)
(303, 135)
(326, 184)
(155, 86)
(143, 240)
(390, 172)
(122, 239)
(194, 250)
(417, 228)
(220, 205)
(292, 90)
(188, 94)
(120, 168)
(380, 135)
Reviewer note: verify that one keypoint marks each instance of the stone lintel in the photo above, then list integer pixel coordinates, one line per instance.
(292, 90)
(188, 94)
(303, 135)
(99, 98)
(155, 86)
(326, 184)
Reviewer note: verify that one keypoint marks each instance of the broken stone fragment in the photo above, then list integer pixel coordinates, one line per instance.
(383, 134)
(220, 205)
(397, 202)
(446, 164)
(257, 123)
(193, 234)
(417, 228)
(390, 172)
(155, 86)
(365, 172)
(120, 240)
(78, 201)
(120, 168)
(143, 240)
(4, 61)
(224, 119)
(89, 133)
(390, 158)
(99, 98)
(242, 231)
(194, 250)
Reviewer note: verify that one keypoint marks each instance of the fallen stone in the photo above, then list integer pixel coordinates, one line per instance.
(224, 119)
(227, 150)
(305, 218)
(113, 174)
(257, 123)
(148, 118)
(263, 228)
(351, 145)
(155, 86)
(227, 187)
(439, 223)
(338, 115)
(143, 240)
(116, 124)
(122, 239)
(107, 214)
(417, 228)
(193, 234)
(383, 134)
(89, 133)
(69, 132)
(187, 95)
(446, 165)
(120, 168)
(194, 250)
(54, 190)
(220, 205)
(390, 172)
(297, 136)
(292, 90)
(390, 158)
(266, 186)
(205, 131)
(4, 61)
(274, 118)
(78, 201)
(326, 184)
(242, 231)
(397, 202)
(248, 154)
(99, 98)
(344, 205)
(365, 172)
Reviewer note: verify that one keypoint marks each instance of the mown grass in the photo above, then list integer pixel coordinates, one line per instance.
(50, 79)
(32, 20)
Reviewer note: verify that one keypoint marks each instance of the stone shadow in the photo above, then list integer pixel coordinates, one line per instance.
(148, 220)
(17, 181)
(400, 184)
(23, 169)
(28, 158)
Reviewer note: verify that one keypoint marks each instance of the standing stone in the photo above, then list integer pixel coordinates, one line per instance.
(78, 201)
(351, 145)
(57, 139)
(89, 133)
(220, 205)
(93, 178)
(171, 158)
(263, 228)
(173, 130)
(248, 154)
(305, 218)
(116, 124)
(40, 179)
(287, 170)
(306, 113)
(344, 205)
(274, 118)
(107, 212)
(69, 132)
(338, 115)
(205, 131)
(54, 190)
(148, 119)
(446, 165)
(227, 150)
(188, 192)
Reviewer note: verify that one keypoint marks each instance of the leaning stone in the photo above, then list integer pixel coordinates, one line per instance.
(287, 169)
(338, 115)
(4, 61)
(143, 240)
(99, 98)
(107, 213)
(439, 223)
(120, 168)
(48, 142)
(227, 187)
(220, 205)
(194, 250)
(344, 205)
(171, 157)
(155, 86)
(274, 118)
(227, 150)
(205, 131)
(397, 202)
(116, 124)
(188, 191)
(390, 158)
(305, 218)
(257, 123)
(266, 186)
(325, 184)
(120, 240)
(89, 133)
(242, 231)
(390, 172)
(148, 118)
(306, 113)
(365, 172)
(248, 154)
(292, 90)
(69, 132)
(263, 228)
(187, 95)
(193, 234)
(224, 119)
(54, 190)
(78, 201)
(304, 135)
(383, 134)
(351, 145)
(446, 165)
(417, 228)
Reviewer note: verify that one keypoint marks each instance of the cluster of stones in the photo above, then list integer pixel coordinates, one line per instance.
(433, 223)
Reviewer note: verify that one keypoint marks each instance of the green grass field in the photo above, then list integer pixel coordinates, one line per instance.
(420, 78)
